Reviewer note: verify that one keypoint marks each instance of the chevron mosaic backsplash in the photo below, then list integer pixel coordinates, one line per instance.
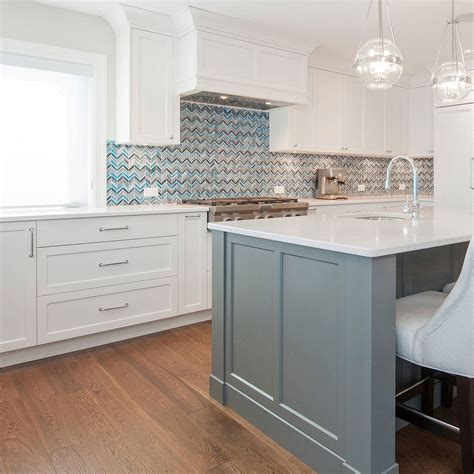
(224, 153)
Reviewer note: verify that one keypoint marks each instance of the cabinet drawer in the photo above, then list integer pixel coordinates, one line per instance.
(103, 229)
(80, 267)
(79, 313)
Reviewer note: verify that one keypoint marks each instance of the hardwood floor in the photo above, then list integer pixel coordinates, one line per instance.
(143, 406)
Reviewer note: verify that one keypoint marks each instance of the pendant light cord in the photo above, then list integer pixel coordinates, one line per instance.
(365, 25)
(390, 23)
(381, 25)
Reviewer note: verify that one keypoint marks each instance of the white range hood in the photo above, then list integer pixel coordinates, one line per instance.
(220, 55)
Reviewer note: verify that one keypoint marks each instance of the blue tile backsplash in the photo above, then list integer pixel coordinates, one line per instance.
(224, 152)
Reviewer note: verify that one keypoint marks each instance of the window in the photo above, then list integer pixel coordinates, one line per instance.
(49, 149)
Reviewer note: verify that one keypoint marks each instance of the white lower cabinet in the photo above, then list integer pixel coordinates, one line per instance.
(17, 285)
(80, 313)
(73, 277)
(192, 262)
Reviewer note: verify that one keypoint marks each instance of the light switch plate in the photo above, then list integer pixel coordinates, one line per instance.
(402, 187)
(150, 192)
(361, 187)
(279, 189)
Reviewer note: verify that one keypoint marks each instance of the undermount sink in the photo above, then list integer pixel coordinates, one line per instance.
(380, 218)
(377, 216)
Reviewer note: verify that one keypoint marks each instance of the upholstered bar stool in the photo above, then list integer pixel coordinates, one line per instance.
(435, 330)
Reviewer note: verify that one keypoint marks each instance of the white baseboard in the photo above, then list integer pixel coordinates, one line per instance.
(85, 342)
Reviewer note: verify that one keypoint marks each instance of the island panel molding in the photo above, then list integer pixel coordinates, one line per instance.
(224, 152)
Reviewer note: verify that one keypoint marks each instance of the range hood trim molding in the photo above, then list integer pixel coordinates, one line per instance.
(263, 65)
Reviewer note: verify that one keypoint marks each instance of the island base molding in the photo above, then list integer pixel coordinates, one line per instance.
(307, 449)
(86, 342)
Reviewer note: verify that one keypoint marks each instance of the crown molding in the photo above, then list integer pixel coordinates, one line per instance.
(135, 17)
(196, 19)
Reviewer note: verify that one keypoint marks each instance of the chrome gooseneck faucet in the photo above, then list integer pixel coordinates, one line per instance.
(414, 205)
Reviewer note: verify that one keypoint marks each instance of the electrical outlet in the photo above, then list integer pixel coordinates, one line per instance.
(361, 187)
(402, 187)
(279, 189)
(150, 192)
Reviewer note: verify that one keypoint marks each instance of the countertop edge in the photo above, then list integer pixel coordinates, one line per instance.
(113, 211)
(340, 248)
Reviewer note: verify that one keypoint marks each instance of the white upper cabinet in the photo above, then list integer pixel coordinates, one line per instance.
(147, 104)
(328, 102)
(293, 128)
(304, 120)
(17, 285)
(342, 117)
(353, 115)
(396, 124)
(421, 139)
(225, 55)
(374, 122)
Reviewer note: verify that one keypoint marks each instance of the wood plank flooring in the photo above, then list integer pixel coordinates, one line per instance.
(143, 406)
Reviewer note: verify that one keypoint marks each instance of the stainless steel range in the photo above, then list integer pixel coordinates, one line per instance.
(236, 209)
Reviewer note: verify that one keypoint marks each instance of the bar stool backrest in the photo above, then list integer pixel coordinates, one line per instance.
(446, 342)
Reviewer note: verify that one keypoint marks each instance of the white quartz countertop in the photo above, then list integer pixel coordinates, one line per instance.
(313, 202)
(34, 214)
(368, 238)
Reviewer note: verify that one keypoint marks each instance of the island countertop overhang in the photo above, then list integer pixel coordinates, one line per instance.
(350, 235)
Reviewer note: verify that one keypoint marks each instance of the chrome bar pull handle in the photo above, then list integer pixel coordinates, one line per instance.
(101, 309)
(32, 242)
(123, 262)
(192, 216)
(104, 229)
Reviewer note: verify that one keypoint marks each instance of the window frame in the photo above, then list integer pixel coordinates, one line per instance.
(98, 189)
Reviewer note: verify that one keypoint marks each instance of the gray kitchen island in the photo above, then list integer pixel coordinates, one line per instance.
(303, 332)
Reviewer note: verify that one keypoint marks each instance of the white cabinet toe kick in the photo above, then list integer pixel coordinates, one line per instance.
(70, 284)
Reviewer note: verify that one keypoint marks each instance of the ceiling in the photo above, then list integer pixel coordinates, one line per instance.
(336, 25)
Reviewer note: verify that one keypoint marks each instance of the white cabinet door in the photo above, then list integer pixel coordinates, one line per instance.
(303, 120)
(192, 262)
(147, 102)
(353, 122)
(17, 285)
(395, 121)
(152, 82)
(453, 156)
(329, 111)
(374, 122)
(422, 121)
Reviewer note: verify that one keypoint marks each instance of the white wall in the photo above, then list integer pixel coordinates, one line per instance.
(37, 23)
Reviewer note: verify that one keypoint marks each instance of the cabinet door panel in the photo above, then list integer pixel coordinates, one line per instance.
(17, 285)
(422, 118)
(329, 111)
(374, 121)
(152, 83)
(395, 121)
(192, 262)
(454, 151)
(304, 120)
(353, 127)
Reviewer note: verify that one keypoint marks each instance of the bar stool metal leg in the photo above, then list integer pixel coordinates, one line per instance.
(465, 400)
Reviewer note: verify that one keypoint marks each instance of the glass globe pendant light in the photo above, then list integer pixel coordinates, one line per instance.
(450, 80)
(378, 61)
